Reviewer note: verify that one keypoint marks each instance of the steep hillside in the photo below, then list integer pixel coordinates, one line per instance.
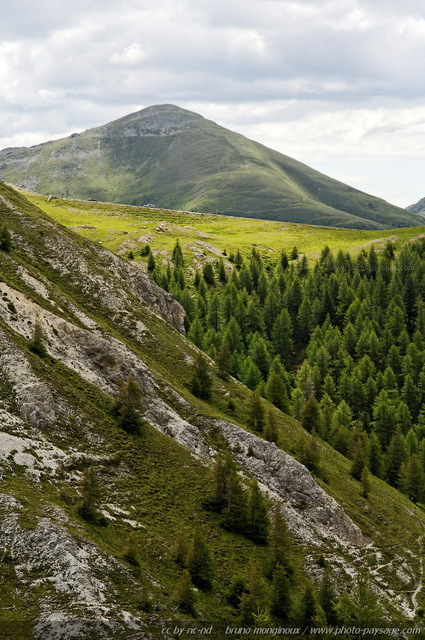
(176, 159)
(418, 207)
(76, 323)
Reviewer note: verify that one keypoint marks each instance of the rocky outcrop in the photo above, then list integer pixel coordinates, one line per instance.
(96, 271)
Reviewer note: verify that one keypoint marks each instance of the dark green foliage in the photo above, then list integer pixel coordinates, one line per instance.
(396, 455)
(199, 562)
(130, 256)
(177, 255)
(201, 382)
(311, 416)
(310, 453)
(254, 601)
(224, 360)
(361, 608)
(130, 553)
(256, 412)
(90, 498)
(36, 344)
(5, 239)
(349, 332)
(129, 406)
(281, 594)
(279, 545)
(185, 595)
(270, 427)
(208, 273)
(412, 479)
(276, 392)
(308, 608)
(145, 250)
(258, 518)
(151, 262)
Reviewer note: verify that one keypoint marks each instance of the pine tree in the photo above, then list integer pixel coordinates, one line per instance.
(310, 453)
(282, 335)
(90, 498)
(375, 456)
(201, 382)
(200, 563)
(281, 600)
(271, 432)
(235, 512)
(327, 597)
(36, 344)
(5, 239)
(185, 596)
(129, 406)
(224, 360)
(151, 262)
(256, 412)
(255, 600)
(362, 609)
(177, 255)
(311, 416)
(279, 545)
(365, 480)
(276, 392)
(396, 455)
(412, 479)
(258, 517)
(309, 608)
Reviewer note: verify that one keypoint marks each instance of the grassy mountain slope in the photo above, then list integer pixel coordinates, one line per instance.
(203, 237)
(96, 314)
(177, 159)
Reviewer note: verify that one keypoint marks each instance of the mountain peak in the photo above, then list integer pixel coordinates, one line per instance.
(161, 119)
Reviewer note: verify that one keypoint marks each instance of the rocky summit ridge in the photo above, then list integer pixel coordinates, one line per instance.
(173, 158)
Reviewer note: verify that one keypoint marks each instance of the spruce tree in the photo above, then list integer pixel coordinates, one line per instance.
(281, 600)
(224, 360)
(365, 480)
(412, 479)
(185, 595)
(201, 382)
(256, 412)
(200, 563)
(258, 517)
(129, 406)
(276, 392)
(177, 255)
(5, 239)
(279, 544)
(361, 609)
(311, 417)
(151, 262)
(36, 344)
(395, 457)
(271, 432)
(255, 600)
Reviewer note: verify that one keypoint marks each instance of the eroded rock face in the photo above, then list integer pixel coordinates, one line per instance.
(47, 557)
(98, 272)
(312, 513)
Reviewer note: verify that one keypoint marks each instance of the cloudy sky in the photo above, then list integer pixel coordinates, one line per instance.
(337, 84)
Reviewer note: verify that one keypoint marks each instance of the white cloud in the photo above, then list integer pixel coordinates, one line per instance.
(320, 80)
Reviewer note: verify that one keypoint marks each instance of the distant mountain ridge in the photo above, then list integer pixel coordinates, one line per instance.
(177, 159)
(418, 207)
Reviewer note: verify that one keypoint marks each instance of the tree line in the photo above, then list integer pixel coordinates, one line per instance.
(338, 344)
